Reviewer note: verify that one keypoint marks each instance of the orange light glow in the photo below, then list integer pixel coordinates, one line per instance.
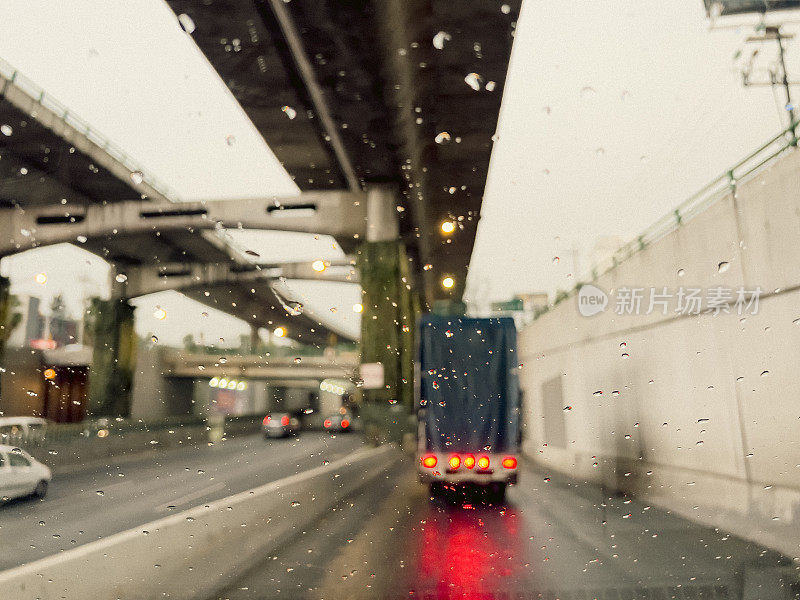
(455, 461)
(345, 423)
(469, 461)
(429, 461)
(483, 462)
(509, 462)
(49, 373)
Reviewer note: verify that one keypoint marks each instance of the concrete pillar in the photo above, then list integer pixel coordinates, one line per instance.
(387, 321)
(113, 354)
(382, 221)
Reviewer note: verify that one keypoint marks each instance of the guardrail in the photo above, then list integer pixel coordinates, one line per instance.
(38, 95)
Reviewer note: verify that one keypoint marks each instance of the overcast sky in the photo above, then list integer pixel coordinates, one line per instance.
(613, 113)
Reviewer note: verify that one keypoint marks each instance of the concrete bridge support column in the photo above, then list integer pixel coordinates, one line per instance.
(114, 356)
(387, 320)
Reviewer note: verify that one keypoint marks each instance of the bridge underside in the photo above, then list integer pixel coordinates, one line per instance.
(365, 88)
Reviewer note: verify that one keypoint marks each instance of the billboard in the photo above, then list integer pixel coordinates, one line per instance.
(723, 8)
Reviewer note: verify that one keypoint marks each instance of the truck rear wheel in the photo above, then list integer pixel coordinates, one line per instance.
(497, 492)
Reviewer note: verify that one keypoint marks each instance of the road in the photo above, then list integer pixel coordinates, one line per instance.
(98, 500)
(552, 539)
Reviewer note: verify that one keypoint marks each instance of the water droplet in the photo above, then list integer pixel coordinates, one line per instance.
(625, 355)
(442, 137)
(82, 239)
(556, 260)
(440, 38)
(6, 130)
(204, 314)
(490, 85)
(448, 333)
(121, 278)
(100, 493)
(723, 266)
(186, 22)
(600, 151)
(295, 504)
(598, 393)
(435, 385)
(681, 272)
(474, 81)
(567, 408)
(230, 140)
(505, 9)
(137, 177)
(764, 373)
(289, 111)
(153, 339)
(588, 92)
(222, 360)
(298, 360)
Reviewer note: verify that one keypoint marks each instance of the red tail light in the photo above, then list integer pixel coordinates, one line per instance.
(345, 423)
(267, 420)
(284, 420)
(469, 461)
(429, 461)
(509, 462)
(455, 461)
(483, 462)
(327, 423)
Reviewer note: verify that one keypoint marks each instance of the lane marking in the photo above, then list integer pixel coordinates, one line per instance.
(189, 497)
(31, 568)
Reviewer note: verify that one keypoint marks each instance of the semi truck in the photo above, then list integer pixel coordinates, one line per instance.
(468, 403)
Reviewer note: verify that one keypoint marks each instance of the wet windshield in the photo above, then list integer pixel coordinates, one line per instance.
(441, 300)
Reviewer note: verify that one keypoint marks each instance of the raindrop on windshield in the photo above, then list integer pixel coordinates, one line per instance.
(289, 111)
(723, 266)
(474, 81)
(6, 130)
(186, 22)
(440, 38)
(588, 92)
(442, 137)
(137, 177)
(121, 278)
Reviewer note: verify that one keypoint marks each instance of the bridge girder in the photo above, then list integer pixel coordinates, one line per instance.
(340, 214)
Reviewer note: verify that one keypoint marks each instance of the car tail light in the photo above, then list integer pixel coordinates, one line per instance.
(483, 462)
(345, 423)
(469, 461)
(455, 461)
(284, 420)
(509, 462)
(429, 461)
(327, 423)
(267, 420)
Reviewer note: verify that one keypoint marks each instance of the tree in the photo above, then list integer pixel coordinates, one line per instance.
(9, 317)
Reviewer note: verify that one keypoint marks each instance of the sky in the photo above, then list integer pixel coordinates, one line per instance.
(614, 111)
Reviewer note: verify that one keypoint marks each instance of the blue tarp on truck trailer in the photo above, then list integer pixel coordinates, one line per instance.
(468, 384)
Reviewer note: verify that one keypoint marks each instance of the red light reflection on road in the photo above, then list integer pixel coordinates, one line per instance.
(470, 552)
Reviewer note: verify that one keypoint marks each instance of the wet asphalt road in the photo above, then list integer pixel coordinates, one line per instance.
(97, 500)
(550, 540)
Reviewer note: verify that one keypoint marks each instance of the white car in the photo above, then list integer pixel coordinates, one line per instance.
(21, 474)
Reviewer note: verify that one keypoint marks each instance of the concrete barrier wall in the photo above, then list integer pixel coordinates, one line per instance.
(197, 552)
(703, 414)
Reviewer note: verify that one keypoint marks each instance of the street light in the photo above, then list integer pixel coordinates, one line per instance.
(319, 266)
(41, 278)
(447, 227)
(357, 308)
(280, 332)
(448, 283)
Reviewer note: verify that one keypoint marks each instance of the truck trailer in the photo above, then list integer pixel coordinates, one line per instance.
(468, 402)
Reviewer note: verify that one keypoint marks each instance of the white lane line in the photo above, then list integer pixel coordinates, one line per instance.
(216, 505)
(189, 497)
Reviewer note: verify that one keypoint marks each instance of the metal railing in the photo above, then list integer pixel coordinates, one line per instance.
(702, 199)
(39, 96)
